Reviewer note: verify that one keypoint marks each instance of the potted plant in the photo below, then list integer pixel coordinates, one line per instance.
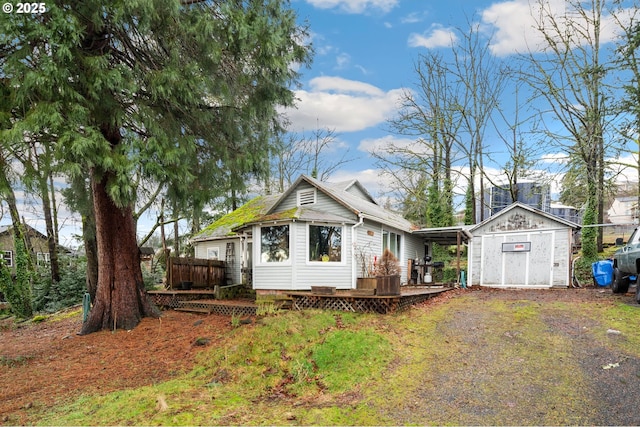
(387, 272)
(366, 262)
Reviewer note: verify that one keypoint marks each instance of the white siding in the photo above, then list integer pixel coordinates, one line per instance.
(414, 248)
(299, 273)
(369, 242)
(369, 239)
(272, 275)
(547, 264)
(309, 274)
(233, 268)
(323, 203)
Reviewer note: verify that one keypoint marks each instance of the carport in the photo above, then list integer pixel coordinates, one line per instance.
(447, 236)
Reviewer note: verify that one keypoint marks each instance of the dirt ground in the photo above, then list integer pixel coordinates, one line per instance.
(48, 362)
(59, 364)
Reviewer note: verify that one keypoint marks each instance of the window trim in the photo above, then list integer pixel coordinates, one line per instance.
(43, 258)
(10, 258)
(258, 247)
(386, 242)
(212, 248)
(343, 257)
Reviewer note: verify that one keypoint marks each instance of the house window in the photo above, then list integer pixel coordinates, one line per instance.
(325, 243)
(274, 243)
(391, 241)
(306, 197)
(7, 257)
(42, 258)
(213, 253)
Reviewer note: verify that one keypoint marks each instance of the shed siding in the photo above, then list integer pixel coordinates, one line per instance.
(547, 264)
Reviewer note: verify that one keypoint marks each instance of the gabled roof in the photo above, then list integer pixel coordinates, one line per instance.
(245, 214)
(264, 209)
(515, 205)
(366, 208)
(9, 228)
(5, 229)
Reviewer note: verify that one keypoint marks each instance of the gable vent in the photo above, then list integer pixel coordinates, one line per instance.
(306, 197)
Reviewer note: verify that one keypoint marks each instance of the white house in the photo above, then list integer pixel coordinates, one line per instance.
(314, 234)
(624, 210)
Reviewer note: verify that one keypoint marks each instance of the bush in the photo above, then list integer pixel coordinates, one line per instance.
(17, 290)
(69, 291)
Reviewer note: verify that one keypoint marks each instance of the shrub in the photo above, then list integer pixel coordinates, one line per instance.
(388, 264)
(17, 290)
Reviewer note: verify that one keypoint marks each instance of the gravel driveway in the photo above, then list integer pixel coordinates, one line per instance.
(519, 357)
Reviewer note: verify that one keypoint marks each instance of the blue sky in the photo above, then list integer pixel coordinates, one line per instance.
(364, 59)
(365, 52)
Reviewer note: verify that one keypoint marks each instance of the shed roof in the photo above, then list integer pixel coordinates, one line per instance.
(535, 211)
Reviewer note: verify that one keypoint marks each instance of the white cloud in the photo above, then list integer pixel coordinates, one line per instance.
(555, 158)
(341, 104)
(436, 36)
(413, 17)
(371, 179)
(391, 144)
(355, 6)
(514, 24)
(343, 60)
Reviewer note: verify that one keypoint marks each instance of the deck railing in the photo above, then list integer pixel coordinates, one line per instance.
(196, 272)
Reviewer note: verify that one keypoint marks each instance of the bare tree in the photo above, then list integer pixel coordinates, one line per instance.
(570, 75)
(423, 169)
(447, 114)
(313, 154)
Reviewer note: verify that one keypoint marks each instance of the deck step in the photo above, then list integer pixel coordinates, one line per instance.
(193, 309)
(224, 307)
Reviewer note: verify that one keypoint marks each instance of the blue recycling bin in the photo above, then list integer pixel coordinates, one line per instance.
(603, 272)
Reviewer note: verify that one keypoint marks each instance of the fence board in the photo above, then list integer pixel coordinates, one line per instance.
(202, 273)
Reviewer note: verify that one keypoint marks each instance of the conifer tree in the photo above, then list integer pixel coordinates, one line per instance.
(161, 84)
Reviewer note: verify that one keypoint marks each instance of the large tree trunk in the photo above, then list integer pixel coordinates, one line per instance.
(121, 301)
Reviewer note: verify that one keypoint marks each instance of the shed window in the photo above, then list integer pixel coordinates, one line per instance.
(274, 244)
(325, 243)
(306, 197)
(7, 257)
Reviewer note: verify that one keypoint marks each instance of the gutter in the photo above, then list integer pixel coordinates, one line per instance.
(354, 273)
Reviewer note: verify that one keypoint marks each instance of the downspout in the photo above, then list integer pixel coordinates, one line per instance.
(354, 267)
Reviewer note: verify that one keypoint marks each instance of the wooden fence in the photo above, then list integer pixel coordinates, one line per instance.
(197, 273)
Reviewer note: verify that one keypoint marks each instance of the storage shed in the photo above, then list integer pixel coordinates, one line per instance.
(522, 247)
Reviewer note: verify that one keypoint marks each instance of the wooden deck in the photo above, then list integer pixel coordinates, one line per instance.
(204, 301)
(354, 302)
